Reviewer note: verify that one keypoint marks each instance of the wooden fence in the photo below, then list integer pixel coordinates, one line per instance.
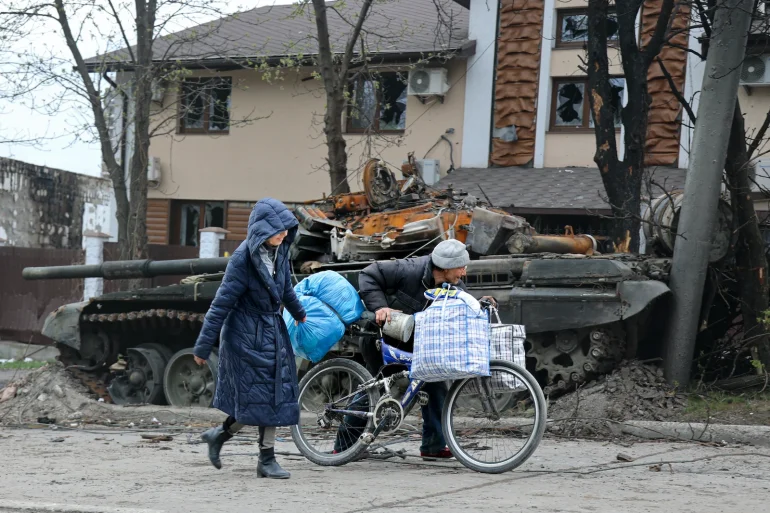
(25, 304)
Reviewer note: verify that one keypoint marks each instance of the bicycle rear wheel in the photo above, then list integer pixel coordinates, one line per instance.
(477, 436)
(319, 433)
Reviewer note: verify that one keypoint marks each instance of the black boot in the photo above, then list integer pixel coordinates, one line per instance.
(268, 467)
(216, 438)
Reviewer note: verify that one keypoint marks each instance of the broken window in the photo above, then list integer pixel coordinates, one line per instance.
(571, 108)
(378, 104)
(205, 106)
(189, 217)
(572, 27)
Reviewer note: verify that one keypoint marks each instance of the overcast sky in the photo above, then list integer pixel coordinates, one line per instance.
(59, 150)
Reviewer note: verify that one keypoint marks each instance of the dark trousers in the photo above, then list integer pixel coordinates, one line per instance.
(266, 434)
(432, 435)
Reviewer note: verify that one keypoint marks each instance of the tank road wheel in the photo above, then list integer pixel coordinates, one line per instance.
(142, 381)
(571, 357)
(187, 384)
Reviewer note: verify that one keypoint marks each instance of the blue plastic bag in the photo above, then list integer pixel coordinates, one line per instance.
(335, 291)
(314, 338)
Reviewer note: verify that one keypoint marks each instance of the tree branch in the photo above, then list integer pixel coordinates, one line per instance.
(653, 47)
(759, 136)
(675, 91)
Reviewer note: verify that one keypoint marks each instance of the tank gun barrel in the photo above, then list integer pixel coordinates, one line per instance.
(126, 269)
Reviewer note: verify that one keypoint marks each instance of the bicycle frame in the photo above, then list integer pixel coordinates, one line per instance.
(394, 356)
(390, 356)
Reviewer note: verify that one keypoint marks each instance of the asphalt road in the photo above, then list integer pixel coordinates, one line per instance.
(112, 472)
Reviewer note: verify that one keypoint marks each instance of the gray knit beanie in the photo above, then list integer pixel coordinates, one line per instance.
(450, 254)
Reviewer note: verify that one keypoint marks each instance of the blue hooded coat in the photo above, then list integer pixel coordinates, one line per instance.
(257, 379)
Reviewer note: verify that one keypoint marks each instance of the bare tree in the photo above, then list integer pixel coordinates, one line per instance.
(138, 44)
(744, 147)
(622, 178)
(335, 79)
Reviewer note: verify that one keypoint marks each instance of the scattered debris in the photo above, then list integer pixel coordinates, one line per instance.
(625, 457)
(634, 390)
(46, 420)
(7, 393)
(158, 438)
(57, 440)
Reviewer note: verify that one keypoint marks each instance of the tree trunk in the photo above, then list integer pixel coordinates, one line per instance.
(622, 179)
(335, 142)
(750, 260)
(334, 83)
(142, 97)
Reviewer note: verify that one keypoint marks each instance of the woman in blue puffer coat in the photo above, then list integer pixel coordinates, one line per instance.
(257, 379)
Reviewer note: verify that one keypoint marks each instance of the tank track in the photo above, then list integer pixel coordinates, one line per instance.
(568, 365)
(128, 322)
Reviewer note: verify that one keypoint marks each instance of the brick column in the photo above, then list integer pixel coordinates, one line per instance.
(210, 238)
(94, 244)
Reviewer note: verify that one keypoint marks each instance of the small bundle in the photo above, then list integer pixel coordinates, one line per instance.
(451, 338)
(330, 303)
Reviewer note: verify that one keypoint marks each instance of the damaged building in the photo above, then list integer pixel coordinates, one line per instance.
(42, 207)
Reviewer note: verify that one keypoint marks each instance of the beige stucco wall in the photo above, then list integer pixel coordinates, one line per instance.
(281, 154)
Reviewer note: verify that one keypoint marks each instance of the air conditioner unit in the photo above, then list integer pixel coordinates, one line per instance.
(428, 169)
(755, 70)
(153, 172)
(158, 91)
(760, 177)
(428, 82)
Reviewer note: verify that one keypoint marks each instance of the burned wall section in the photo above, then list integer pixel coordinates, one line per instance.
(42, 207)
(665, 115)
(518, 67)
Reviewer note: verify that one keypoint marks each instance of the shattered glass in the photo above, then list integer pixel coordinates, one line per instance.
(569, 107)
(574, 28)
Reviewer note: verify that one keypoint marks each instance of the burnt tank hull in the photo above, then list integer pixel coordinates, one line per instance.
(583, 315)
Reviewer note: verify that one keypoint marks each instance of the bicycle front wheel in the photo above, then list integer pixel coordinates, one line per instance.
(487, 434)
(323, 435)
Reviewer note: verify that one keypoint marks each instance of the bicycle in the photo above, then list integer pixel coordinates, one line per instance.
(374, 409)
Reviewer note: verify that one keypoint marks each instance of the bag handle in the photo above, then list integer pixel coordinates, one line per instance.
(497, 315)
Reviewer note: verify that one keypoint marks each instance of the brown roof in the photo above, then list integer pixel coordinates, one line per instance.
(551, 189)
(393, 28)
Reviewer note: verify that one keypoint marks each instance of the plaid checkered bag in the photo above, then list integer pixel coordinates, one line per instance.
(507, 343)
(451, 338)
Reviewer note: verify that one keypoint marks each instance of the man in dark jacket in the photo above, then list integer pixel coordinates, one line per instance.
(405, 282)
(257, 378)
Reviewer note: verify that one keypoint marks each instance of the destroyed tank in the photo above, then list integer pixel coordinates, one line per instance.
(583, 311)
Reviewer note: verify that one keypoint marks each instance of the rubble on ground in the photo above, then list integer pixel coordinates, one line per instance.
(51, 395)
(634, 390)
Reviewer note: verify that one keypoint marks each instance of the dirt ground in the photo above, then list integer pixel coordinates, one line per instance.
(635, 391)
(115, 470)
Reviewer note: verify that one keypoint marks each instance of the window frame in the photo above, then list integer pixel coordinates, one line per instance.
(555, 81)
(175, 218)
(572, 11)
(182, 107)
(349, 128)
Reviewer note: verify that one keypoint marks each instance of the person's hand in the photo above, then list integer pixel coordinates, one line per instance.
(491, 300)
(198, 360)
(296, 322)
(383, 314)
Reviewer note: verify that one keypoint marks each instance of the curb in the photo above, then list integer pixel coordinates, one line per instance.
(758, 436)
